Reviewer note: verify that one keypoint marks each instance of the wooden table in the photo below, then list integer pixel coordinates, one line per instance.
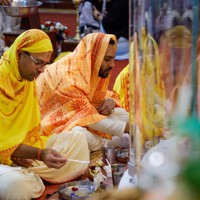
(69, 45)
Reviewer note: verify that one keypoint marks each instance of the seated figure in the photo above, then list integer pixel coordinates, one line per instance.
(73, 94)
(147, 93)
(26, 155)
(121, 87)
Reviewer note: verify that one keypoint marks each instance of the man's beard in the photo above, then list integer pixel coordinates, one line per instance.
(105, 73)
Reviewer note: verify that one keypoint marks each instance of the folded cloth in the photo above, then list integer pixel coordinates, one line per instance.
(6, 168)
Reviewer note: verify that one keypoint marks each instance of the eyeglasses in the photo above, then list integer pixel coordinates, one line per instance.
(37, 62)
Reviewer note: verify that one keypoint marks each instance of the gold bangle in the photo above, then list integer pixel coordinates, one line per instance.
(39, 153)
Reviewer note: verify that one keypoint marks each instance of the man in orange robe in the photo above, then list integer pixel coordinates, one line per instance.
(73, 93)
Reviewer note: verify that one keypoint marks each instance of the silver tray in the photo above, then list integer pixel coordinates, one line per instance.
(22, 9)
(76, 190)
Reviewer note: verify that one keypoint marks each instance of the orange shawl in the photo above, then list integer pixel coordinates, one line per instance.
(70, 89)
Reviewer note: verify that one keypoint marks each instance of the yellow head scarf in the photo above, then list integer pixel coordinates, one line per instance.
(72, 86)
(19, 109)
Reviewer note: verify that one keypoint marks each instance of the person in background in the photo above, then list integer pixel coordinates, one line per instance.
(121, 87)
(73, 94)
(116, 21)
(90, 16)
(27, 157)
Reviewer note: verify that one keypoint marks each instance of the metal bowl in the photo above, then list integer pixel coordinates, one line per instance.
(76, 190)
(122, 155)
(22, 9)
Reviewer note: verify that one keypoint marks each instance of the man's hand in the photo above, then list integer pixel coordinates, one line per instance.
(49, 156)
(22, 162)
(52, 158)
(106, 107)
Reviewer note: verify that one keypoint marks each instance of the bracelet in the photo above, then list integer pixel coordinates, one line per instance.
(39, 153)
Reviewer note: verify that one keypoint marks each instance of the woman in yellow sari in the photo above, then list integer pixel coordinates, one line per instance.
(74, 92)
(121, 87)
(20, 137)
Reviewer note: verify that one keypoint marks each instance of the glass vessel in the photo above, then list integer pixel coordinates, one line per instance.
(164, 54)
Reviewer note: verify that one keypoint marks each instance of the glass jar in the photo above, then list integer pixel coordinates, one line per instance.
(164, 54)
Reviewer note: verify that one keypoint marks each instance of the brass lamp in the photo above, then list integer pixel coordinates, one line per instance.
(77, 3)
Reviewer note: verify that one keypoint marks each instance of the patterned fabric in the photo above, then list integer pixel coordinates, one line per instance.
(70, 89)
(19, 109)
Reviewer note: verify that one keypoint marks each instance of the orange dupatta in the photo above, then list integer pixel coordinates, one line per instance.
(70, 89)
(19, 109)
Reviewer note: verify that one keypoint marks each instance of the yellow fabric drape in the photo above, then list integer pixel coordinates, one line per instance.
(62, 54)
(70, 89)
(148, 93)
(19, 109)
(121, 87)
(149, 90)
(152, 92)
